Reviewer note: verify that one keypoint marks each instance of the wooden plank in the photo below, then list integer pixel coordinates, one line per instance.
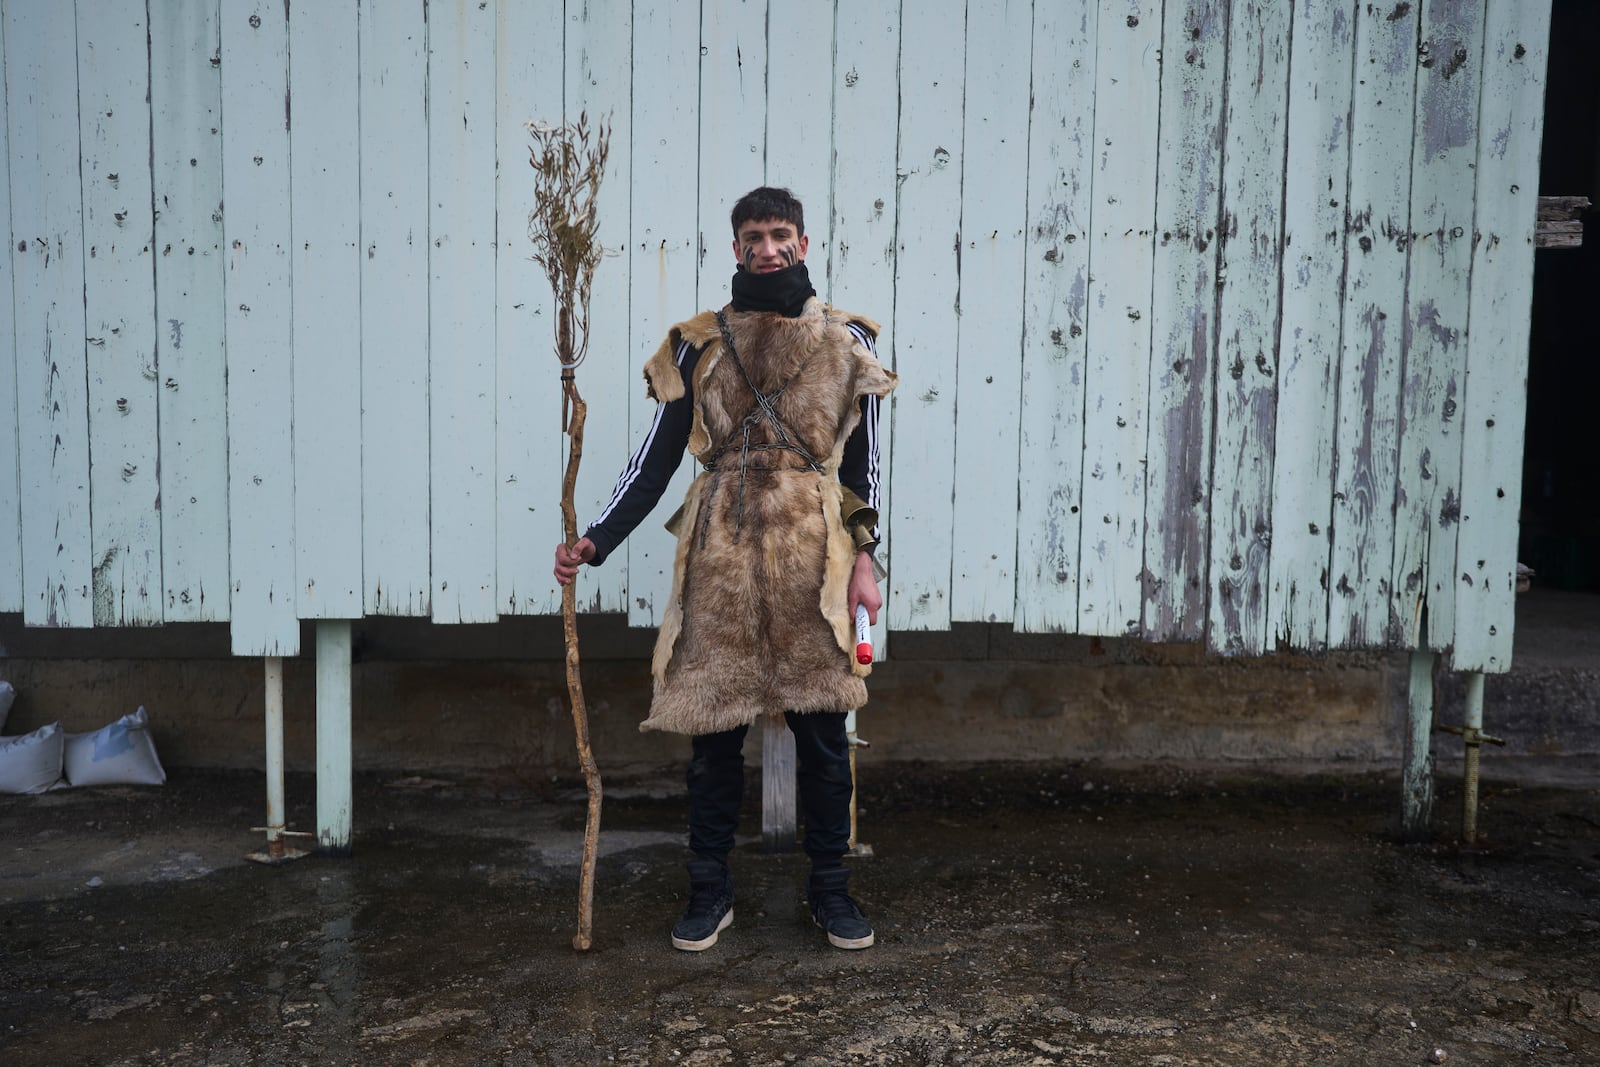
(861, 253)
(994, 212)
(10, 491)
(461, 320)
(1373, 329)
(733, 122)
(1559, 235)
(260, 333)
(325, 219)
(1511, 118)
(780, 815)
(47, 289)
(1127, 77)
(1416, 769)
(1558, 208)
(119, 311)
(1247, 326)
(1055, 312)
(1183, 324)
(529, 64)
(1313, 281)
(799, 119)
(335, 765)
(599, 81)
(1443, 180)
(663, 242)
(927, 263)
(394, 310)
(186, 175)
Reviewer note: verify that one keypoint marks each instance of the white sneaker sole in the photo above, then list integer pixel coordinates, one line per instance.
(850, 942)
(702, 945)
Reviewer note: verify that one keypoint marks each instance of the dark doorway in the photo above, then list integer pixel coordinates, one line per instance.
(1561, 466)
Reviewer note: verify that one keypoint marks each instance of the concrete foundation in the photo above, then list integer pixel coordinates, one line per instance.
(437, 698)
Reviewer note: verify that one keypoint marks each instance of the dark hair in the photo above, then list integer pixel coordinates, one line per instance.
(767, 202)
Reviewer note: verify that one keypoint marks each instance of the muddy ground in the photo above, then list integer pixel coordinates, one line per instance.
(1025, 915)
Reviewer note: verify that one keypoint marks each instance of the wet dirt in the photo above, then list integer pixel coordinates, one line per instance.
(1035, 914)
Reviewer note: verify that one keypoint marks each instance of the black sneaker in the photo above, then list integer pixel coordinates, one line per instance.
(710, 909)
(836, 911)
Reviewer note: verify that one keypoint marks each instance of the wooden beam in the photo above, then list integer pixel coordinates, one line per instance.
(1560, 222)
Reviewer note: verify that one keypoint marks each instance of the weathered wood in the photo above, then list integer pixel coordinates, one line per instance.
(664, 240)
(10, 491)
(186, 175)
(780, 817)
(1428, 496)
(1313, 285)
(256, 237)
(800, 119)
(1515, 57)
(325, 215)
(861, 255)
(47, 289)
(994, 204)
(1416, 776)
(1553, 208)
(395, 469)
(1560, 235)
(733, 125)
(1246, 368)
(927, 258)
(1183, 320)
(461, 312)
(529, 62)
(1561, 221)
(1127, 117)
(1108, 304)
(1055, 311)
(335, 763)
(599, 44)
(1371, 357)
(119, 311)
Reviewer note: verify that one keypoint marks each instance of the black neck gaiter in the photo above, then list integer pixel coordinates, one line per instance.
(784, 291)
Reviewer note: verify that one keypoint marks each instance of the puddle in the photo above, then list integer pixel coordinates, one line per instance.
(1162, 916)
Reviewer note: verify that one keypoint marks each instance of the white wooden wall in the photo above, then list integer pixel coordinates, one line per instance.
(1210, 315)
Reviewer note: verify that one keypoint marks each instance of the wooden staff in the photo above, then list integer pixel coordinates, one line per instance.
(562, 227)
(573, 410)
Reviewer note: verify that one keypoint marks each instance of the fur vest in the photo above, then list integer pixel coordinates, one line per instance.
(758, 619)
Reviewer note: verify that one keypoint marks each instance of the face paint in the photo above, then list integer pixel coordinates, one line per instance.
(769, 245)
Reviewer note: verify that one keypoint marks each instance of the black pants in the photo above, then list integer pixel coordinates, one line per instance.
(716, 786)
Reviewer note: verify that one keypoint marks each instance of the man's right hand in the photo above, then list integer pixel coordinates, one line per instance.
(568, 560)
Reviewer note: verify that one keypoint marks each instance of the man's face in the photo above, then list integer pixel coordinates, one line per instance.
(769, 245)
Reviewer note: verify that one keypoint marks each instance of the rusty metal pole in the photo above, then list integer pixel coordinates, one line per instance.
(1472, 736)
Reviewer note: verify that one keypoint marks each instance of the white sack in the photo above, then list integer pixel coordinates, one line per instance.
(31, 763)
(119, 754)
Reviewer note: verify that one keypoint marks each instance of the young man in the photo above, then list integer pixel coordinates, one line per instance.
(776, 396)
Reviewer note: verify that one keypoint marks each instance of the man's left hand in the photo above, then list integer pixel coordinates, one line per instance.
(864, 588)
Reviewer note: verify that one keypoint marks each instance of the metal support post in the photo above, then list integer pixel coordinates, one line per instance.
(334, 771)
(855, 742)
(1472, 738)
(1416, 779)
(276, 851)
(1471, 733)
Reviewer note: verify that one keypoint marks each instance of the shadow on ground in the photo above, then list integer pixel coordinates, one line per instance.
(1025, 915)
